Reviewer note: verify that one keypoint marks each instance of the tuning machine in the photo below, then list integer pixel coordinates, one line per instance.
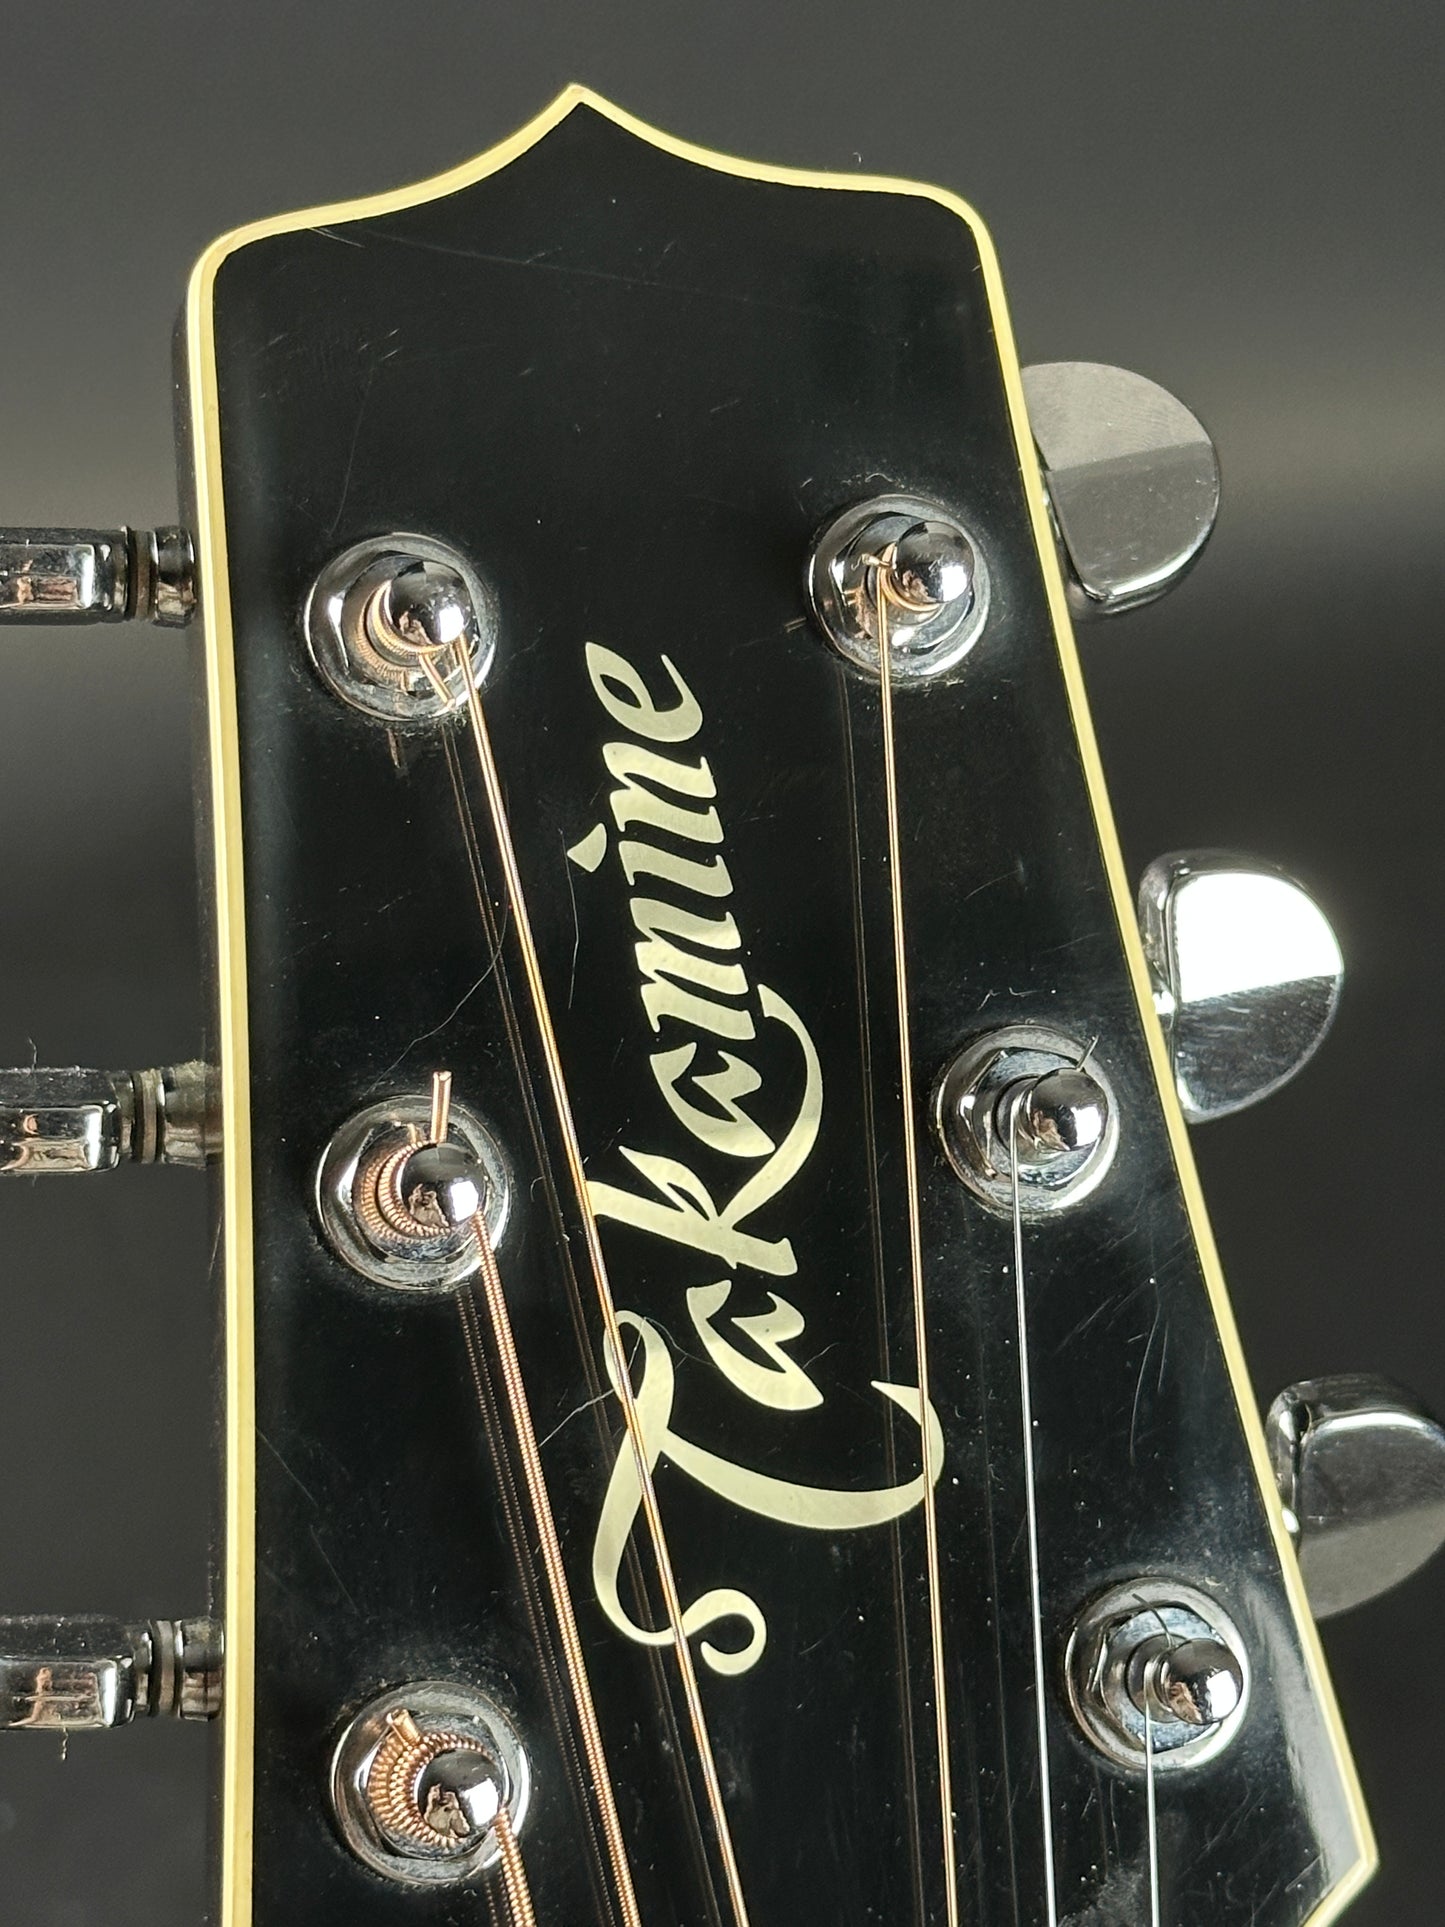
(1157, 1675)
(1132, 481)
(69, 1122)
(88, 1673)
(1247, 975)
(400, 1183)
(1361, 1469)
(54, 576)
(420, 1779)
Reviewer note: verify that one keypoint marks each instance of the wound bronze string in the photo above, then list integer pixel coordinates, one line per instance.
(514, 1873)
(882, 574)
(492, 790)
(586, 1773)
(902, 1585)
(516, 1394)
(673, 1740)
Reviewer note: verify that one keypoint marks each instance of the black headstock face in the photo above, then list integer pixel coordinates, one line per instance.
(625, 387)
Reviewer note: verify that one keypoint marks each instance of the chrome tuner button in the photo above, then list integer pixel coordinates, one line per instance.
(400, 1184)
(1247, 975)
(918, 555)
(420, 1778)
(1132, 480)
(1030, 1097)
(1157, 1667)
(1361, 1469)
(400, 627)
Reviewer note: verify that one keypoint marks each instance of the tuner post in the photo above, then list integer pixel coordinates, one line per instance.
(401, 628)
(400, 1185)
(426, 1780)
(917, 557)
(1158, 1675)
(1027, 1102)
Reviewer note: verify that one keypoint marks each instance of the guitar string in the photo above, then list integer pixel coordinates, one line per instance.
(596, 1765)
(489, 1407)
(536, 1482)
(667, 1710)
(1031, 1509)
(881, 599)
(610, 1847)
(907, 1670)
(1153, 1815)
(514, 1872)
(652, 1513)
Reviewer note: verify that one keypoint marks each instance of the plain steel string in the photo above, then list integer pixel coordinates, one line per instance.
(1031, 1508)
(1153, 1814)
(652, 1512)
(882, 577)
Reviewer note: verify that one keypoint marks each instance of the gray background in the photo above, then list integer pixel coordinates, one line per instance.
(1240, 199)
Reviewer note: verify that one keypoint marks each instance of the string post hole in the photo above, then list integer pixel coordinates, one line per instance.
(1158, 1675)
(904, 567)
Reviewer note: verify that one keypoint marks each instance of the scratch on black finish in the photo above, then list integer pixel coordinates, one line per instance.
(630, 388)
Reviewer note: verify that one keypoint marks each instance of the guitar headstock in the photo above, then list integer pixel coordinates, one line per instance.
(732, 1410)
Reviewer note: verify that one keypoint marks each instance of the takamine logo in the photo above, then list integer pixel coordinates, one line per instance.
(697, 998)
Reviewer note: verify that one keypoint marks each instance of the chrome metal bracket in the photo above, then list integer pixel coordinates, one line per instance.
(88, 1673)
(75, 1121)
(97, 575)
